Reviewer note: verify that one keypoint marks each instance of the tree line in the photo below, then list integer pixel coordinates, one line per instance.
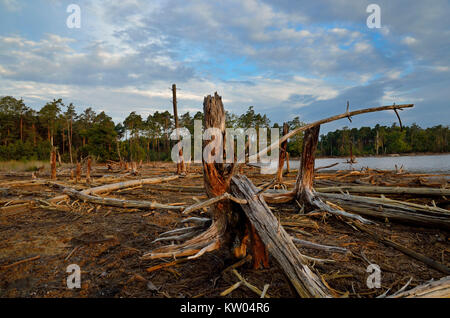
(27, 134)
(381, 140)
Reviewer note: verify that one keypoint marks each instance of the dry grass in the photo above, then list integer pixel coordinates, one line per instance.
(14, 165)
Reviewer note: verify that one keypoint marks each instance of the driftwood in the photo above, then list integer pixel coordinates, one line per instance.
(117, 186)
(308, 244)
(391, 209)
(387, 190)
(115, 202)
(433, 289)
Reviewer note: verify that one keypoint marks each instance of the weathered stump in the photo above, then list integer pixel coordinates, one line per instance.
(88, 171)
(304, 191)
(305, 177)
(53, 164)
(78, 173)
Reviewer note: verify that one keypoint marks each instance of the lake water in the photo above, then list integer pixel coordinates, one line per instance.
(435, 164)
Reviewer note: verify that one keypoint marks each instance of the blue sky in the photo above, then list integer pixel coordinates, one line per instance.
(286, 58)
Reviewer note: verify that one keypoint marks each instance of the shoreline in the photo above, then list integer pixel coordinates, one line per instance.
(414, 154)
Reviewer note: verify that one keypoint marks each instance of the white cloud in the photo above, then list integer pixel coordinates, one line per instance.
(11, 5)
(409, 40)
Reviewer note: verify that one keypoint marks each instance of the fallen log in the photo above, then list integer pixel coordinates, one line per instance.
(277, 241)
(394, 211)
(81, 195)
(386, 190)
(333, 249)
(433, 289)
(117, 186)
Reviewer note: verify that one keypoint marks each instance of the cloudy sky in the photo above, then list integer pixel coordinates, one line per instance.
(286, 58)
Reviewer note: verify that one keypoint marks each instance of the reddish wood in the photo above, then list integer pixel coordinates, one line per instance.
(88, 170)
(78, 173)
(53, 164)
(305, 175)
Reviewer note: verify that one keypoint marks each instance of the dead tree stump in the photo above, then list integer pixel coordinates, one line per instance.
(304, 191)
(88, 171)
(305, 177)
(53, 164)
(229, 228)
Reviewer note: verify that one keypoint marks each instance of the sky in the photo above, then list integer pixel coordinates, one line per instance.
(285, 58)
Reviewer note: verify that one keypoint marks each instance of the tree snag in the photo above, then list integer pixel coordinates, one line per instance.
(181, 168)
(78, 173)
(283, 155)
(305, 177)
(229, 227)
(53, 164)
(88, 171)
(304, 191)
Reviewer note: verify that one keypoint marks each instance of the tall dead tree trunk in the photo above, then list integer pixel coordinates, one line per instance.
(283, 155)
(304, 191)
(181, 168)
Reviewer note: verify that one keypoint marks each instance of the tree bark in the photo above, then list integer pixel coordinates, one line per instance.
(181, 168)
(88, 171)
(434, 289)
(304, 191)
(305, 175)
(53, 164)
(278, 242)
(283, 155)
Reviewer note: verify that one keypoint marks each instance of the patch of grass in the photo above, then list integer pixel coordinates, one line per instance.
(23, 166)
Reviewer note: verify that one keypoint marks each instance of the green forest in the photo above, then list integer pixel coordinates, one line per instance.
(27, 134)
